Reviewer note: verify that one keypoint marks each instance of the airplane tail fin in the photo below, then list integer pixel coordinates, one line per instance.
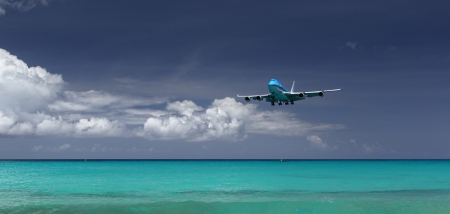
(292, 89)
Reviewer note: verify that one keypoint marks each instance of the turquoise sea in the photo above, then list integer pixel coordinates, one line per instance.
(343, 186)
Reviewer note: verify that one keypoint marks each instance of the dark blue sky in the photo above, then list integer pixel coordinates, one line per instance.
(391, 57)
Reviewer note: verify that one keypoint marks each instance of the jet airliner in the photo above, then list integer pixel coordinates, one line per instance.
(278, 93)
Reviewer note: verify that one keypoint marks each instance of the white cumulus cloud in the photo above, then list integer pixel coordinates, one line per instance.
(25, 88)
(184, 120)
(26, 95)
(98, 127)
(224, 119)
(316, 141)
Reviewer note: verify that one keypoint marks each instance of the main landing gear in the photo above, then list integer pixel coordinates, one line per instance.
(281, 103)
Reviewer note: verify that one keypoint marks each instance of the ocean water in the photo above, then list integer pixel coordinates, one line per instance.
(401, 186)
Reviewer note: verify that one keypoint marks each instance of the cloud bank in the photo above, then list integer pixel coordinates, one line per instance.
(33, 102)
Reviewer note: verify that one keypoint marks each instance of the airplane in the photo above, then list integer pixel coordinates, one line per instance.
(278, 93)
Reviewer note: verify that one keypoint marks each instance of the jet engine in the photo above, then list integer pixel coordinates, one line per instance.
(321, 93)
(301, 95)
(258, 98)
(247, 99)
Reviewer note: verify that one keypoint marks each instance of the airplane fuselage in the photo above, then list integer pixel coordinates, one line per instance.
(278, 90)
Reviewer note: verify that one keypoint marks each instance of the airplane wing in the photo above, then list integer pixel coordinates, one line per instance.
(319, 93)
(303, 95)
(257, 97)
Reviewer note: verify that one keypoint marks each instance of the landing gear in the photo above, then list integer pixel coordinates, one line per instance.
(280, 103)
